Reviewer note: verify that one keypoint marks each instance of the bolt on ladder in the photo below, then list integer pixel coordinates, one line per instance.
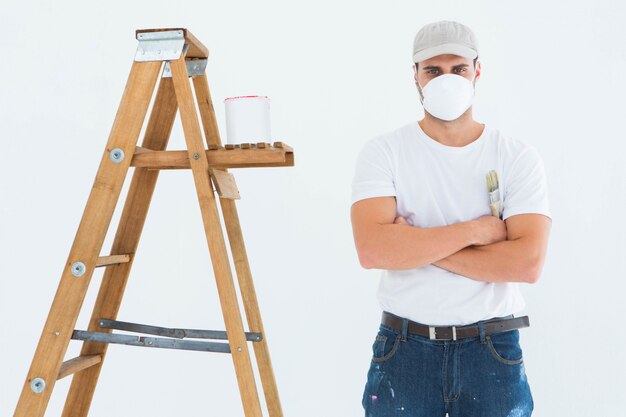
(172, 57)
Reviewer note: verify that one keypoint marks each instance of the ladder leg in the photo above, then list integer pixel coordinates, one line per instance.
(215, 240)
(240, 258)
(88, 242)
(126, 241)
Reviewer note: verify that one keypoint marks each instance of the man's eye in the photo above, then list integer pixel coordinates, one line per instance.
(460, 69)
(432, 71)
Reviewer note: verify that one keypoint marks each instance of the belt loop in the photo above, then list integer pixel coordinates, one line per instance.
(481, 331)
(405, 329)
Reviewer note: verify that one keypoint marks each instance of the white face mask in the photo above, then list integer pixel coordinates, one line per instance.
(448, 96)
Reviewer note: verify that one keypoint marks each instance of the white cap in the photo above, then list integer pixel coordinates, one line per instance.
(444, 37)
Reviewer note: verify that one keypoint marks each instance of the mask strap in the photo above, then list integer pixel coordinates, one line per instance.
(420, 91)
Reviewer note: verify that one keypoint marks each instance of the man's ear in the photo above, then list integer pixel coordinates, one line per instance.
(478, 70)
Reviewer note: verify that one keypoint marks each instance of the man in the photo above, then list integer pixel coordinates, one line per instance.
(448, 341)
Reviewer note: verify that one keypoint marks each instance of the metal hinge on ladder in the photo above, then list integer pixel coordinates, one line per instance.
(159, 46)
(194, 67)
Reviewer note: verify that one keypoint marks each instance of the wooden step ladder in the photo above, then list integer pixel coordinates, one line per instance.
(171, 56)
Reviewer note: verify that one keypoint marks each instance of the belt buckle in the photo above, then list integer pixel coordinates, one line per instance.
(432, 333)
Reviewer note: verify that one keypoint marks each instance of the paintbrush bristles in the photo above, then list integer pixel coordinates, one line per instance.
(492, 181)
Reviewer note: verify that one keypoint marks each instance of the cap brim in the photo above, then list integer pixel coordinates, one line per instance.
(445, 48)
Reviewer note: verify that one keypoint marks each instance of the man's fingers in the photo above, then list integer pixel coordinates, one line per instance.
(400, 220)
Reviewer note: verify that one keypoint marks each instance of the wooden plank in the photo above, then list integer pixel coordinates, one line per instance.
(89, 238)
(78, 364)
(225, 184)
(219, 158)
(240, 257)
(112, 260)
(215, 240)
(196, 48)
(126, 240)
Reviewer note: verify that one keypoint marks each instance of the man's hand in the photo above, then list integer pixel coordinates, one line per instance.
(488, 229)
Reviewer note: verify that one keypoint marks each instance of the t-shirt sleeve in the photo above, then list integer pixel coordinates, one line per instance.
(373, 173)
(527, 188)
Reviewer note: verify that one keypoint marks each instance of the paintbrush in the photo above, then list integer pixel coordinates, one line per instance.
(493, 188)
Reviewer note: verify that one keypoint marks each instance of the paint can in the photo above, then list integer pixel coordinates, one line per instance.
(247, 119)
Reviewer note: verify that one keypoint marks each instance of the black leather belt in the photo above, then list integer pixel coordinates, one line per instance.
(495, 325)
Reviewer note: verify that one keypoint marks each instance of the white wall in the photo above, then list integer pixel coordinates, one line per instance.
(337, 74)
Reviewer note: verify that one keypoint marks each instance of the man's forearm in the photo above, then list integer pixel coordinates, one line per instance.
(504, 261)
(397, 246)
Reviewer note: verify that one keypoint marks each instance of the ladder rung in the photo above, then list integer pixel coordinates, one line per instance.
(169, 332)
(112, 260)
(156, 342)
(78, 364)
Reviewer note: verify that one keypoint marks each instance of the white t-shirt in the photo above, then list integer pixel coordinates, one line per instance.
(438, 185)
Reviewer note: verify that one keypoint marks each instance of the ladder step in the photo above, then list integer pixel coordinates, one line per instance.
(112, 260)
(169, 332)
(155, 342)
(78, 364)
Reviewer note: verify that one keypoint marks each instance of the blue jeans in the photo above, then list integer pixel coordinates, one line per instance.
(480, 376)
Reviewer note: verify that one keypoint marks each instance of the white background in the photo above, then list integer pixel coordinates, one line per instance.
(337, 73)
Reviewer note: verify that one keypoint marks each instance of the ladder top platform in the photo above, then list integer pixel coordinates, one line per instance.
(196, 48)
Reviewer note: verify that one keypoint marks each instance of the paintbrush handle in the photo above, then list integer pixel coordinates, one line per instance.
(494, 202)
(494, 210)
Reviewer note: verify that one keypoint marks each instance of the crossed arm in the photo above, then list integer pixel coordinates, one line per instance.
(519, 258)
(385, 242)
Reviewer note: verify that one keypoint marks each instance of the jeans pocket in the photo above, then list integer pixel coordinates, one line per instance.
(505, 347)
(385, 346)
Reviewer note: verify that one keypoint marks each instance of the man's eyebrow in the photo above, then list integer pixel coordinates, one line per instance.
(437, 67)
